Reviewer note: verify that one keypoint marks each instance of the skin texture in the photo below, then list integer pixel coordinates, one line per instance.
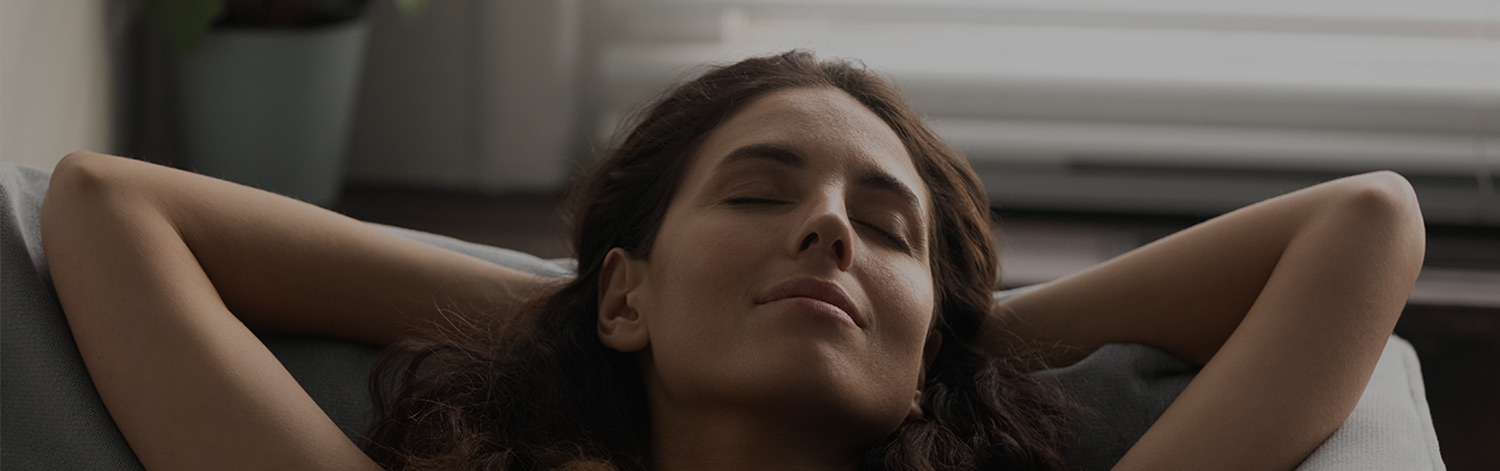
(737, 384)
(139, 255)
(1287, 303)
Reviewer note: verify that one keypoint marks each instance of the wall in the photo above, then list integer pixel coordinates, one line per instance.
(60, 72)
(469, 94)
(464, 94)
(415, 118)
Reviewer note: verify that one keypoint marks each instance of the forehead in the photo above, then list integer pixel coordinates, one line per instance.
(824, 124)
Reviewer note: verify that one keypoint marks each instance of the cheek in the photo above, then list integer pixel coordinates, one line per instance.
(708, 260)
(702, 274)
(905, 286)
(903, 293)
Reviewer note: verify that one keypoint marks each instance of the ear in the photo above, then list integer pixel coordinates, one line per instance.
(620, 324)
(929, 352)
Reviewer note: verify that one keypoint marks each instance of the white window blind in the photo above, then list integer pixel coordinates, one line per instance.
(1145, 105)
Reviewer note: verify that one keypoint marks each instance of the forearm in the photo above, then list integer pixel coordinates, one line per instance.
(1296, 366)
(284, 266)
(1185, 293)
(186, 383)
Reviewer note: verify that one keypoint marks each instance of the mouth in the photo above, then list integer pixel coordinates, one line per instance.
(817, 290)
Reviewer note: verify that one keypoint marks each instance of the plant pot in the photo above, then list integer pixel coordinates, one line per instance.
(271, 108)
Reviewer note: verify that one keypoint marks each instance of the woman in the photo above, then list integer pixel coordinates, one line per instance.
(780, 267)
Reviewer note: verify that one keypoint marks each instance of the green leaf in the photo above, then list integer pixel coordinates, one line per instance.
(183, 23)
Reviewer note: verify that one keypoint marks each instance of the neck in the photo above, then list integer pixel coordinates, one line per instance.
(745, 440)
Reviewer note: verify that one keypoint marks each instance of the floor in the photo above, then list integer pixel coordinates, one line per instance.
(1452, 318)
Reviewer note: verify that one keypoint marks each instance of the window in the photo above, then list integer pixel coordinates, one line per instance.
(1173, 106)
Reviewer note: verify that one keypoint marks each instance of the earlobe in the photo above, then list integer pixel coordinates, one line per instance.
(620, 324)
(915, 412)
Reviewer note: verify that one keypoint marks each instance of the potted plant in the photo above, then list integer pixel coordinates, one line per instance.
(263, 90)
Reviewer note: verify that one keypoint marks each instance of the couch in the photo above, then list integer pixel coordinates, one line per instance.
(52, 418)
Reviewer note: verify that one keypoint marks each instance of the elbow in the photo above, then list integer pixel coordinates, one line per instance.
(82, 181)
(73, 175)
(79, 172)
(1388, 195)
(90, 178)
(1387, 202)
(1385, 190)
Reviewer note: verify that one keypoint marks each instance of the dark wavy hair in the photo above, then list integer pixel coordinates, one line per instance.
(537, 390)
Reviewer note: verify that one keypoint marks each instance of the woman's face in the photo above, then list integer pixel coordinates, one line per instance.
(801, 195)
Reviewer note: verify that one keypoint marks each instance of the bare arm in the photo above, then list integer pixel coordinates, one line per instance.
(287, 267)
(1287, 303)
(152, 265)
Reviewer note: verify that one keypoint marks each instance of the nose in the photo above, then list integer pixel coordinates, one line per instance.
(827, 232)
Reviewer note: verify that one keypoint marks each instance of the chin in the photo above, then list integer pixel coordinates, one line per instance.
(817, 383)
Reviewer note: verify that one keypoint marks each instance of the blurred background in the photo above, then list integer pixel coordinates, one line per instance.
(1097, 125)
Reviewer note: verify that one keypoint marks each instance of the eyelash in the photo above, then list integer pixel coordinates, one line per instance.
(749, 200)
(892, 238)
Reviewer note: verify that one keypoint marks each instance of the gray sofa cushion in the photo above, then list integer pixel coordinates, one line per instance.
(51, 417)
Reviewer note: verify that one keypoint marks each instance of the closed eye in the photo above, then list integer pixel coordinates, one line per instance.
(888, 236)
(753, 201)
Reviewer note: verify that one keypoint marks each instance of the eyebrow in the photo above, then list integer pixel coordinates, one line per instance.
(872, 179)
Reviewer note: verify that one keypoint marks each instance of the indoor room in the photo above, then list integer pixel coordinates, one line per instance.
(1095, 234)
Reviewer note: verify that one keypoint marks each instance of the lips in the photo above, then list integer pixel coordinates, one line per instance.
(814, 289)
